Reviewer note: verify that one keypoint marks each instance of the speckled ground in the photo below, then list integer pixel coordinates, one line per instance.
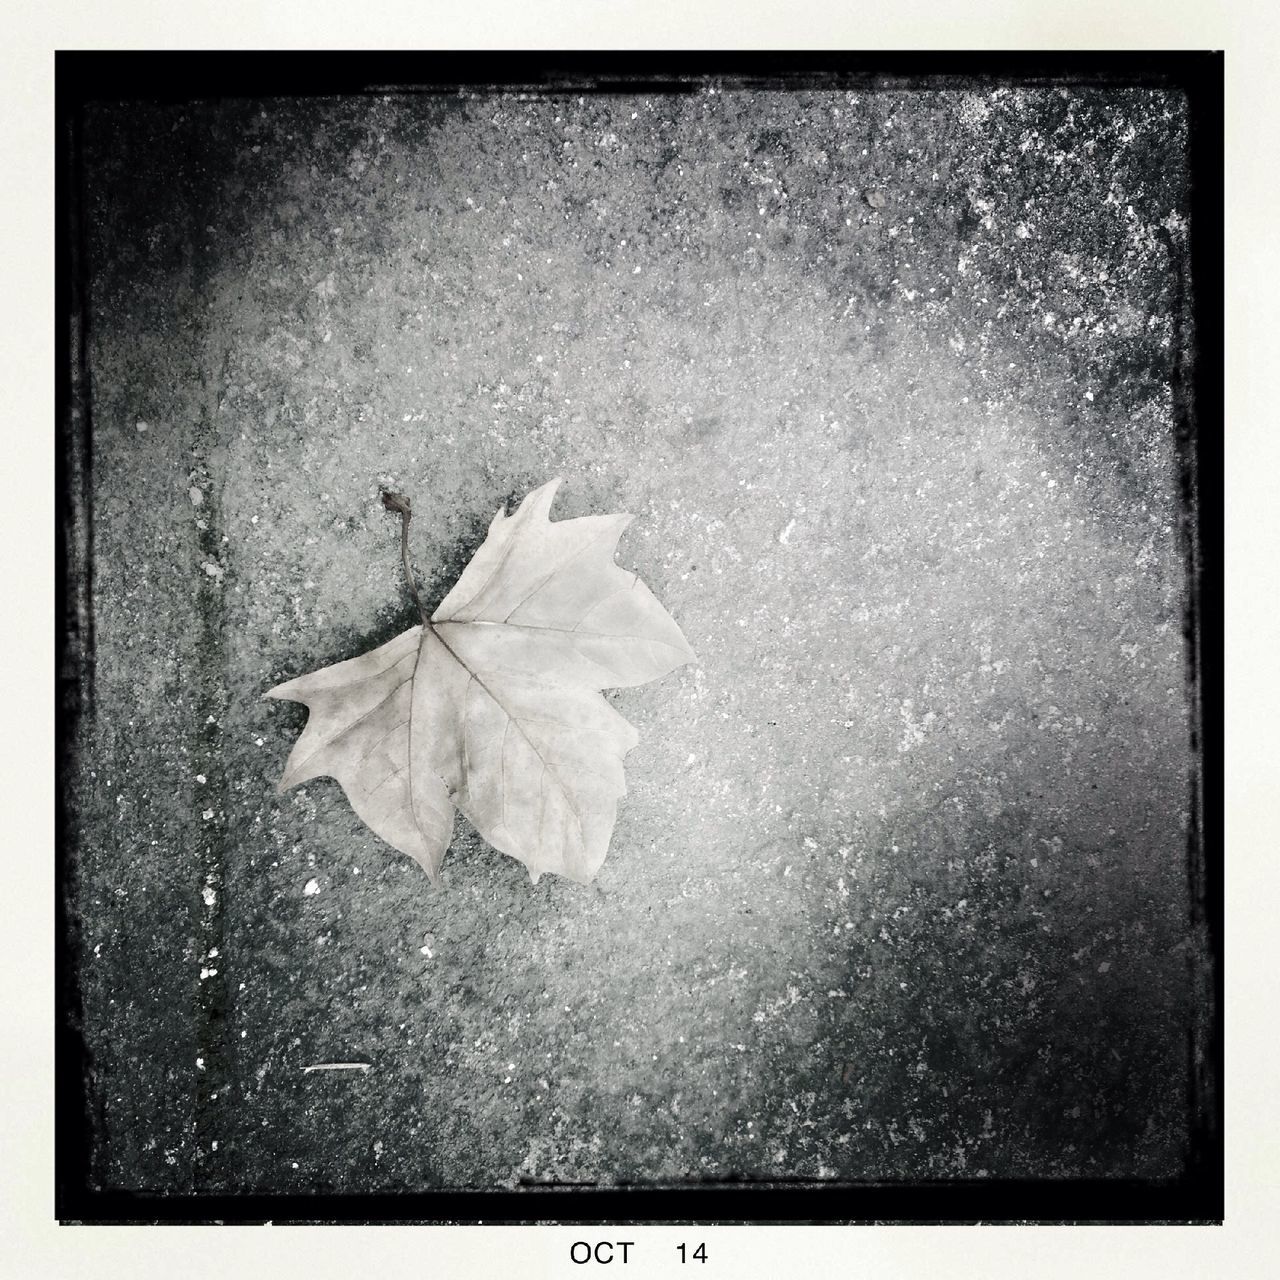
(900, 886)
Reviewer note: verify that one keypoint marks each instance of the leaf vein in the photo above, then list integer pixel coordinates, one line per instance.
(345, 729)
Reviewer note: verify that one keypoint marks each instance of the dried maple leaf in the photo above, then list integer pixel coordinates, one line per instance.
(494, 704)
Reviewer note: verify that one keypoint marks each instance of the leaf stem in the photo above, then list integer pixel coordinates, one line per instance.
(399, 503)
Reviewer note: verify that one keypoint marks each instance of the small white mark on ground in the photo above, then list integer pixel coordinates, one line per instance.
(784, 536)
(311, 887)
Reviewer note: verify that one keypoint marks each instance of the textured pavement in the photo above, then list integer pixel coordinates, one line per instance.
(900, 887)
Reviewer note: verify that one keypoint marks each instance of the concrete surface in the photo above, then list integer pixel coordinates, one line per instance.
(900, 886)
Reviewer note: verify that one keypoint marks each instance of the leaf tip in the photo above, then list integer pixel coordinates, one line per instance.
(537, 502)
(431, 864)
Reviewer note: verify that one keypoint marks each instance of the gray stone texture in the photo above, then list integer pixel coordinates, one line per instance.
(900, 887)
